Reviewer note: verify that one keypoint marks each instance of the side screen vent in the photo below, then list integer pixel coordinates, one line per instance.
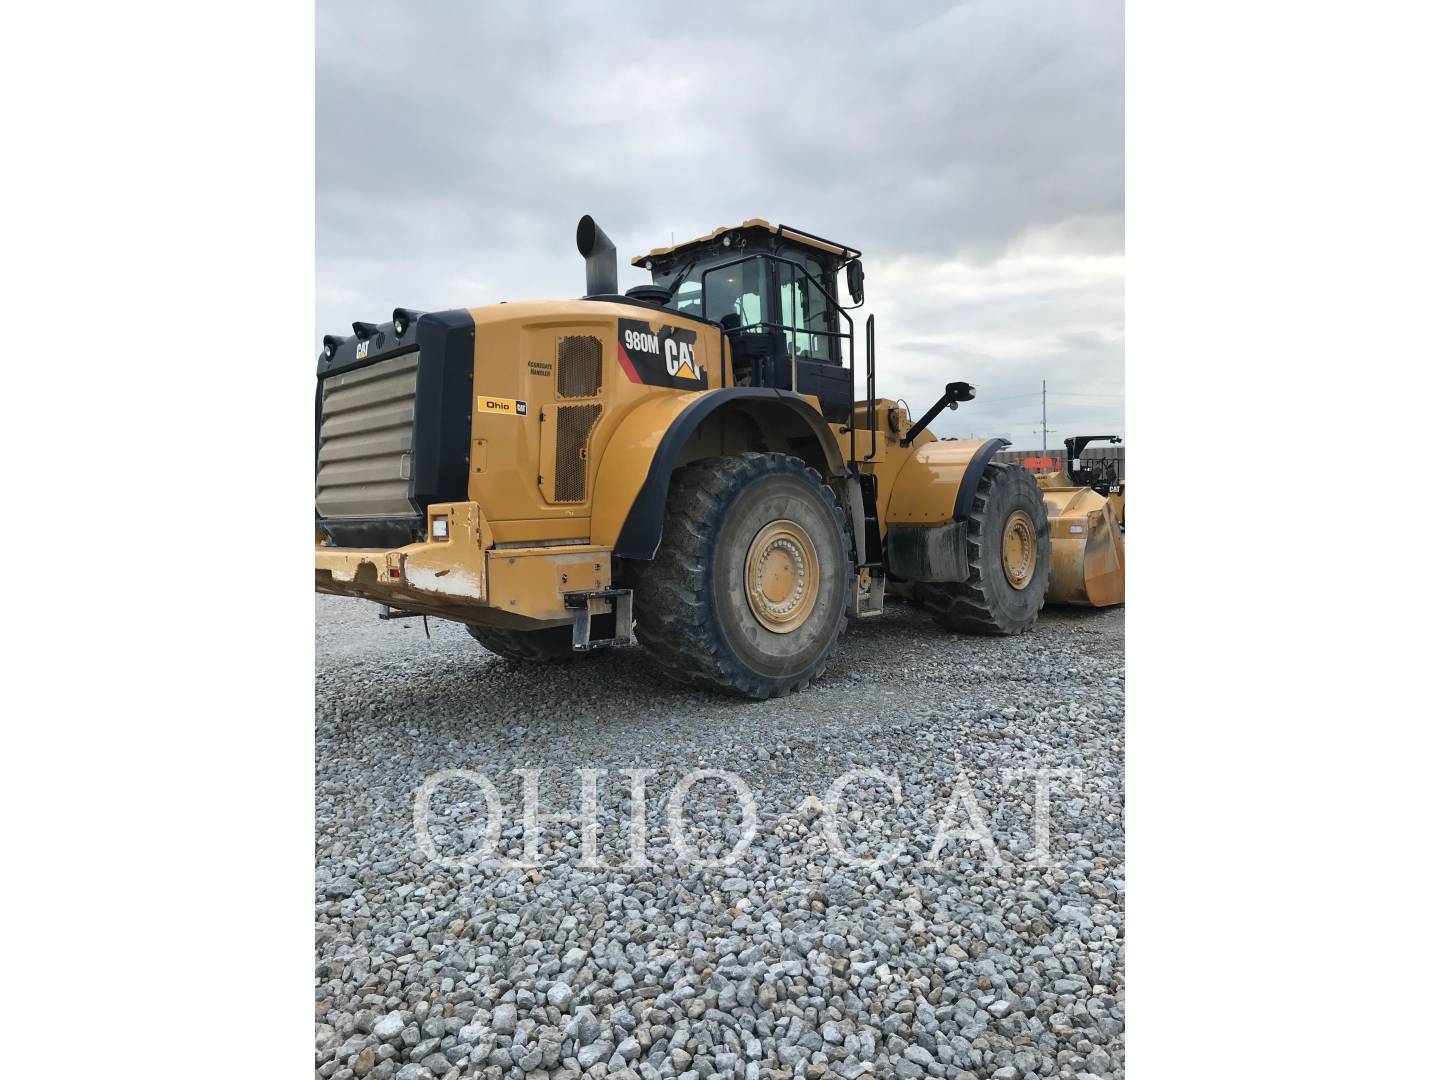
(367, 430)
(573, 424)
(578, 367)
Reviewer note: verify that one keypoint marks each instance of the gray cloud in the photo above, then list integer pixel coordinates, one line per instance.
(974, 151)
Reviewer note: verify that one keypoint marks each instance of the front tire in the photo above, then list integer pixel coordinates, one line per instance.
(533, 646)
(747, 593)
(1007, 545)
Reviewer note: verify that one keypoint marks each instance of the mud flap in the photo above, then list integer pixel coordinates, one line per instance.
(936, 553)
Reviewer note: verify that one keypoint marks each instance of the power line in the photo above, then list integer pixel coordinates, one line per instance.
(1012, 397)
(1067, 409)
(1109, 410)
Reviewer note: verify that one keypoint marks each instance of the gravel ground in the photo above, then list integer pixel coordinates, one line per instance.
(791, 961)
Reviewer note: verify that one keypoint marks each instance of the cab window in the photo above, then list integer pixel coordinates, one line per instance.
(732, 294)
(803, 306)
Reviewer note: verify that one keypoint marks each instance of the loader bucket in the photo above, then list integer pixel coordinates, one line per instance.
(1087, 550)
(1117, 503)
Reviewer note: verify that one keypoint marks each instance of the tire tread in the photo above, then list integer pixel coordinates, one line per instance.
(674, 623)
(547, 646)
(970, 606)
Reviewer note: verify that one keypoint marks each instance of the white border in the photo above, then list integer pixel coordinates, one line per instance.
(1281, 306)
(159, 298)
(158, 244)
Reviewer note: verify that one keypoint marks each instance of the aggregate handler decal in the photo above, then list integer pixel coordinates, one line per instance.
(503, 405)
(666, 358)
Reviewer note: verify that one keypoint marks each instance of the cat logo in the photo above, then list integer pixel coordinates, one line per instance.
(362, 349)
(502, 405)
(680, 359)
(664, 357)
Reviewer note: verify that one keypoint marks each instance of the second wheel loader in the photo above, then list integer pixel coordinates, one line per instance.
(1086, 503)
(697, 465)
(1102, 474)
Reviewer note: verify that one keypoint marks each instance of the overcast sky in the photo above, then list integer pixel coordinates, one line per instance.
(973, 151)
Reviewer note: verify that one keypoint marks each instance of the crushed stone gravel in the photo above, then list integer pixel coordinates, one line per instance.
(796, 959)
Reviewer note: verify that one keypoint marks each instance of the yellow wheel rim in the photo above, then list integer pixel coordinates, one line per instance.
(1017, 549)
(782, 576)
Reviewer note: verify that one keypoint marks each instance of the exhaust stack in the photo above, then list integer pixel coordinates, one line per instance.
(602, 274)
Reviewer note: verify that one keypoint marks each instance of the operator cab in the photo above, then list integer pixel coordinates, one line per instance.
(772, 289)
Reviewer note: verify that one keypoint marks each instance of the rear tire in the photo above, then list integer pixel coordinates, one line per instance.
(748, 591)
(1008, 507)
(533, 646)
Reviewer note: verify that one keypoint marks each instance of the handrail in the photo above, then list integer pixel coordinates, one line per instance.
(870, 384)
(847, 253)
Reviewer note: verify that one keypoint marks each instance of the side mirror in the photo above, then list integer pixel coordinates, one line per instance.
(855, 281)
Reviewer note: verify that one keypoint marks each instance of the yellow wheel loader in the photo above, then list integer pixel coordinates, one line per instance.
(694, 465)
(1086, 504)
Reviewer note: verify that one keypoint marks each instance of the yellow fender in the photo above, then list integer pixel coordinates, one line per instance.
(625, 462)
(633, 480)
(937, 484)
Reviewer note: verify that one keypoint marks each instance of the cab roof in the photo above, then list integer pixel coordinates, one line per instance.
(796, 235)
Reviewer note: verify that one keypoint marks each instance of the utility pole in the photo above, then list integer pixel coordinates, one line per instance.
(1044, 417)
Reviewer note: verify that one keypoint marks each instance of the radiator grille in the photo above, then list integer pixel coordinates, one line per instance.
(573, 424)
(367, 423)
(578, 367)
